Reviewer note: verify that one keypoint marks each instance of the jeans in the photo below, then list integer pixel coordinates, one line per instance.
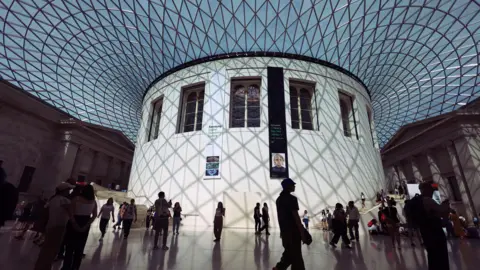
(218, 227)
(75, 244)
(340, 230)
(293, 252)
(103, 225)
(436, 245)
(258, 224)
(161, 224)
(265, 226)
(305, 221)
(353, 227)
(147, 222)
(176, 224)
(127, 224)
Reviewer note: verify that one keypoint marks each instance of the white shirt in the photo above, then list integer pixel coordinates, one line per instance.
(305, 216)
(57, 212)
(106, 211)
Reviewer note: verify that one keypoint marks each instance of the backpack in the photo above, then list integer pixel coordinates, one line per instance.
(415, 211)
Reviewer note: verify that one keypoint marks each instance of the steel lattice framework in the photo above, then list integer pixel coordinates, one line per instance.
(95, 59)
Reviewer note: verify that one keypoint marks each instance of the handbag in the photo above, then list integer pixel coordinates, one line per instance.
(308, 237)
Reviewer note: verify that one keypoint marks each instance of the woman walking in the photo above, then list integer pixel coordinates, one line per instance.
(105, 212)
(362, 197)
(305, 219)
(177, 210)
(129, 216)
(339, 226)
(392, 222)
(84, 209)
(218, 221)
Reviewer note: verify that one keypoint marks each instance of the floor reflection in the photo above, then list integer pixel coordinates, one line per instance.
(238, 249)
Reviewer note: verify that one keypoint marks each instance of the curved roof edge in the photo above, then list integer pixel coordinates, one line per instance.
(255, 54)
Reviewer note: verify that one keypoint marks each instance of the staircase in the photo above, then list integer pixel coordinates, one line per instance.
(102, 194)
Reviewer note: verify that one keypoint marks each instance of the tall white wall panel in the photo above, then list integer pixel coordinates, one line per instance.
(327, 166)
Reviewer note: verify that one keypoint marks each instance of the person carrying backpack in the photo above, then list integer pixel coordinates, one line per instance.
(427, 215)
(412, 228)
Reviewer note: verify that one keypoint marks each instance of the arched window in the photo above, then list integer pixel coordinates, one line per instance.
(245, 103)
(192, 109)
(348, 115)
(301, 106)
(345, 112)
(154, 126)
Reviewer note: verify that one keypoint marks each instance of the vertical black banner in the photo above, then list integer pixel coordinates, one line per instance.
(277, 131)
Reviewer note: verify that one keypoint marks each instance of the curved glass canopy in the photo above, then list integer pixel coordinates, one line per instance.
(95, 59)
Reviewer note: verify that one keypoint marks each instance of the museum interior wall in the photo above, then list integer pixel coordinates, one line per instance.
(333, 157)
(41, 146)
(443, 149)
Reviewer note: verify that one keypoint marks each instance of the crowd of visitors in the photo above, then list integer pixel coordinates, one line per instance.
(62, 223)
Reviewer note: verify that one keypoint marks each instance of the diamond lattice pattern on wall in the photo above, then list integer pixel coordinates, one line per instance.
(95, 59)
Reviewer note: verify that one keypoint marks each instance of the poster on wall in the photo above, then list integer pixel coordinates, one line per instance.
(277, 133)
(213, 127)
(212, 166)
(278, 161)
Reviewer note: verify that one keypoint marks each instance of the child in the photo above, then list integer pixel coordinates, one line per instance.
(105, 212)
(305, 219)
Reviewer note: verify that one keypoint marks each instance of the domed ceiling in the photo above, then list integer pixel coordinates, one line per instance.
(95, 59)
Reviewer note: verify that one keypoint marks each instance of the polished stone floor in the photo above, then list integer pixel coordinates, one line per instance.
(238, 249)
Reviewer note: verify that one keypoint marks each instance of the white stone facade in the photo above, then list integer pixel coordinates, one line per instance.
(327, 166)
(36, 135)
(443, 149)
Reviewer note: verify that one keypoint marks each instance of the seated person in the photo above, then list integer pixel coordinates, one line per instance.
(373, 227)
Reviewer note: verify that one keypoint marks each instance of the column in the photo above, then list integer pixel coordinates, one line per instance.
(108, 177)
(391, 177)
(466, 172)
(421, 169)
(122, 175)
(91, 172)
(441, 168)
(69, 154)
(77, 162)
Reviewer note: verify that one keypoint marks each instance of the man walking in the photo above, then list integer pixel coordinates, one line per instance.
(353, 219)
(256, 217)
(428, 216)
(291, 228)
(162, 215)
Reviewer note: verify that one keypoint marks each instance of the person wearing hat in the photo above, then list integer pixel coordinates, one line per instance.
(291, 228)
(59, 213)
(431, 228)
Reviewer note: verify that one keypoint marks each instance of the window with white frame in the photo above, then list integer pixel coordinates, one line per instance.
(245, 103)
(348, 115)
(301, 100)
(192, 108)
(370, 124)
(154, 125)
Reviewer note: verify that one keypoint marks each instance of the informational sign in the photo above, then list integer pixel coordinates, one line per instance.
(212, 166)
(214, 126)
(277, 131)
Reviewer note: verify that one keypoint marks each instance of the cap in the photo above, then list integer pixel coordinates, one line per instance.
(287, 182)
(63, 186)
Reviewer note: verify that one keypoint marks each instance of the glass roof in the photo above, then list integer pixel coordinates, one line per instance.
(95, 59)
